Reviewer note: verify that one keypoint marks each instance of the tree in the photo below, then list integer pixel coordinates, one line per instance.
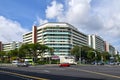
(117, 57)
(76, 51)
(24, 49)
(98, 58)
(2, 54)
(51, 51)
(105, 56)
(12, 54)
(85, 50)
(42, 49)
(91, 56)
(34, 50)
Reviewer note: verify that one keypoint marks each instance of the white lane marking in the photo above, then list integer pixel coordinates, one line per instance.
(46, 71)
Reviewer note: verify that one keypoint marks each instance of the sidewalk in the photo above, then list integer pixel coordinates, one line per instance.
(3, 64)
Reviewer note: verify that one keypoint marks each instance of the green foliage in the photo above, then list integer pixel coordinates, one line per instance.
(55, 61)
(26, 50)
(51, 50)
(117, 57)
(76, 51)
(34, 50)
(105, 56)
(41, 62)
(90, 55)
(85, 50)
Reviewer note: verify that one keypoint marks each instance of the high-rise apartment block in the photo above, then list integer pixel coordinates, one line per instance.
(60, 36)
(96, 42)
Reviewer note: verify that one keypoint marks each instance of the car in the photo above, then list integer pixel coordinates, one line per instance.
(94, 63)
(22, 64)
(112, 63)
(117, 63)
(100, 63)
(15, 62)
(64, 65)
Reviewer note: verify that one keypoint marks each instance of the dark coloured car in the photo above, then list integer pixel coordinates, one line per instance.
(64, 65)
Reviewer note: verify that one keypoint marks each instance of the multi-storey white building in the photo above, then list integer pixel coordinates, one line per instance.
(27, 38)
(11, 46)
(60, 36)
(109, 48)
(96, 42)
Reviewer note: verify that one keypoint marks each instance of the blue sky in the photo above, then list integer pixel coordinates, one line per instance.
(23, 11)
(101, 17)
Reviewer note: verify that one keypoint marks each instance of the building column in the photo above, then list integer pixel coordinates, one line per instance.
(34, 34)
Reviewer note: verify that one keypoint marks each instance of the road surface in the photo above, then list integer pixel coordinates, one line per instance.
(49, 72)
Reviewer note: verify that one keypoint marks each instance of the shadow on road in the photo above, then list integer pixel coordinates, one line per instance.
(47, 76)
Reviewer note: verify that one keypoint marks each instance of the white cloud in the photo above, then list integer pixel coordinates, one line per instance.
(74, 11)
(109, 12)
(10, 30)
(41, 21)
(110, 15)
(77, 10)
(100, 17)
(54, 10)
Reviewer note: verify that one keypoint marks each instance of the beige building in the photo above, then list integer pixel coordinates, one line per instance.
(11, 46)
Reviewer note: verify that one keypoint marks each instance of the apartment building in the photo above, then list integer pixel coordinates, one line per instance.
(96, 42)
(60, 36)
(27, 38)
(11, 46)
(109, 48)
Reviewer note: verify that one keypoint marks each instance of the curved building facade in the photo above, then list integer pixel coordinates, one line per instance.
(60, 36)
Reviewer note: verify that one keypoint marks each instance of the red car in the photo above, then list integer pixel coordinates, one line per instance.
(64, 65)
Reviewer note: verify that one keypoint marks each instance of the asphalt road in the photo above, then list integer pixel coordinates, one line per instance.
(5, 76)
(53, 72)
